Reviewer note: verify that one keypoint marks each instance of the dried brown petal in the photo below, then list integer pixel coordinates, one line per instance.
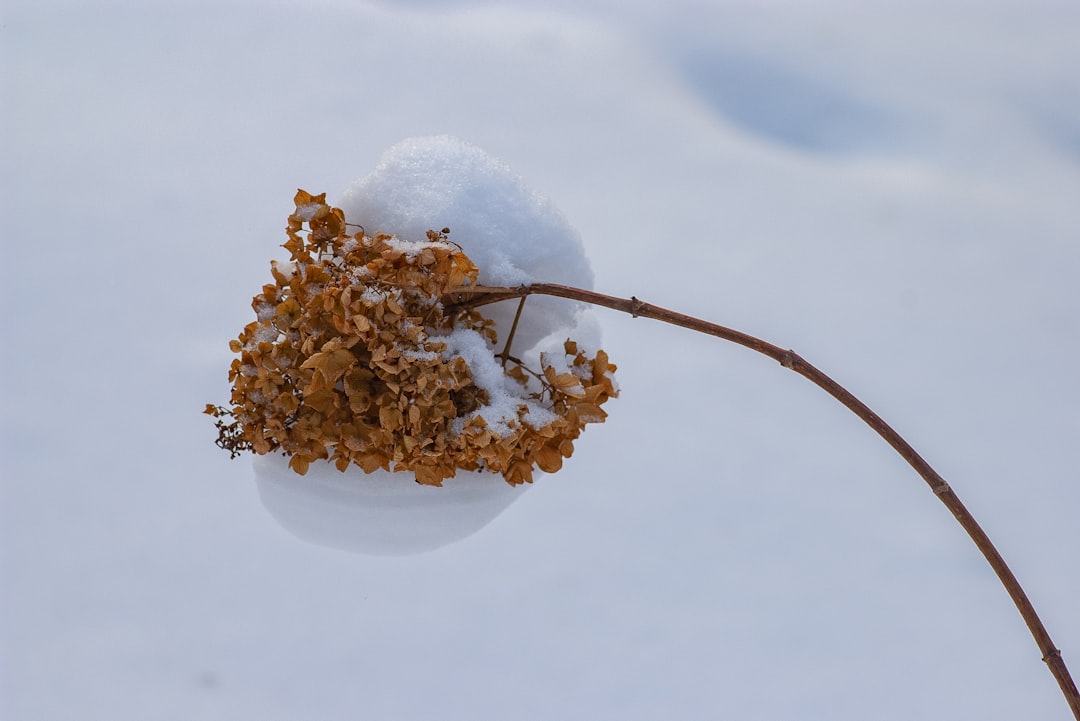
(344, 364)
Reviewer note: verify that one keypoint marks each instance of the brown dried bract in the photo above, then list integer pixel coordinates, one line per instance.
(344, 362)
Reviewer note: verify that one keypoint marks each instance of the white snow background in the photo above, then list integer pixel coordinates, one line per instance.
(889, 189)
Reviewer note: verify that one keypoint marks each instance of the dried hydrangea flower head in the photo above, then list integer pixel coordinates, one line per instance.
(355, 359)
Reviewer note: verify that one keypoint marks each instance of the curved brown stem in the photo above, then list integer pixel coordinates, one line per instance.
(472, 297)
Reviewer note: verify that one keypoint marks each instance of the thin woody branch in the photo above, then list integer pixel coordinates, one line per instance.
(475, 296)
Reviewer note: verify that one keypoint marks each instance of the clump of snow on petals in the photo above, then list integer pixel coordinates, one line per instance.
(513, 234)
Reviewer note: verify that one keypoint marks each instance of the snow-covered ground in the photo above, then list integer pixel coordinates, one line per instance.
(889, 188)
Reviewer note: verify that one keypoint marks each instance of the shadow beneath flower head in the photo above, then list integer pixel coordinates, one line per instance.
(381, 513)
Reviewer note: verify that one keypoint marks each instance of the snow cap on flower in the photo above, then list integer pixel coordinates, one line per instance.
(513, 234)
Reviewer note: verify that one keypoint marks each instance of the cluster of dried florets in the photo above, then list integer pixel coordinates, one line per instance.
(354, 358)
